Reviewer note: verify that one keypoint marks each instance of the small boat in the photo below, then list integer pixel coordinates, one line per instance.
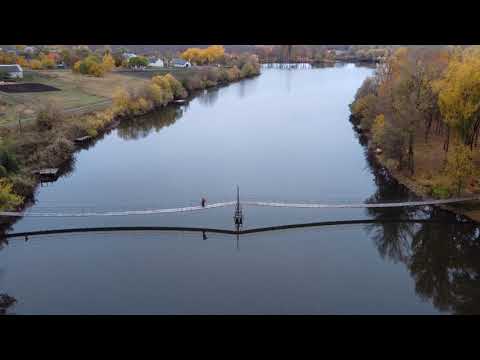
(46, 175)
(46, 172)
(83, 139)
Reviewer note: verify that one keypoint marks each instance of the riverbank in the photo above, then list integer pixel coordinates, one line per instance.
(49, 141)
(470, 210)
(416, 111)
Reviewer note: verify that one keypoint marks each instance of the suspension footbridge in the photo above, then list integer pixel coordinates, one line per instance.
(274, 204)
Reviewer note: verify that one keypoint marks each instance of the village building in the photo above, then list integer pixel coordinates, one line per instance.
(181, 63)
(13, 71)
(128, 56)
(156, 63)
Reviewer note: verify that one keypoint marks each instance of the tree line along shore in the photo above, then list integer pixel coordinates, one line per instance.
(48, 141)
(420, 114)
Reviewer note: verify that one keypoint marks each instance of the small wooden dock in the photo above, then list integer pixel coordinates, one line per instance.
(46, 175)
(46, 172)
(83, 139)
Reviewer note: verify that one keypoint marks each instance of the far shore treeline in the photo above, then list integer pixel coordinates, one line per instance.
(48, 141)
(103, 58)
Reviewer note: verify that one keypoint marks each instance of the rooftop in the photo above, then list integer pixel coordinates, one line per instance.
(10, 68)
(179, 61)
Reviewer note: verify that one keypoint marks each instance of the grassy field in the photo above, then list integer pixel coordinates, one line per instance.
(179, 73)
(103, 87)
(79, 93)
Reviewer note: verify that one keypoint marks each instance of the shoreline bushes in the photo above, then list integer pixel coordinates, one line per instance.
(8, 199)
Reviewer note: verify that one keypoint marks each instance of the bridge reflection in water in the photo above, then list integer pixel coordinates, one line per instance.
(237, 231)
(441, 252)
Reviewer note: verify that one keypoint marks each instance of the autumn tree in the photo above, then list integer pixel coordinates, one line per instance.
(67, 57)
(378, 129)
(120, 101)
(22, 61)
(459, 166)
(7, 58)
(8, 199)
(210, 55)
(35, 64)
(108, 62)
(47, 62)
(163, 83)
(176, 87)
(459, 96)
(137, 61)
(118, 59)
(91, 65)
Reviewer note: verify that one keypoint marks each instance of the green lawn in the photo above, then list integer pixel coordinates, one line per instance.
(179, 73)
(26, 105)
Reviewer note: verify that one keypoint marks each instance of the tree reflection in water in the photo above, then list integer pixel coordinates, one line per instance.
(209, 96)
(390, 238)
(442, 257)
(140, 127)
(6, 301)
(445, 263)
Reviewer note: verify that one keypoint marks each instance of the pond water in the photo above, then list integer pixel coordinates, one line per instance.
(284, 135)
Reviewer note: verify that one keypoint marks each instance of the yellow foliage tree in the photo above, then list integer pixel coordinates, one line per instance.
(76, 66)
(459, 95)
(108, 62)
(378, 129)
(121, 99)
(176, 87)
(47, 62)
(204, 56)
(194, 55)
(364, 109)
(164, 85)
(459, 166)
(35, 64)
(155, 94)
(96, 69)
(8, 199)
(233, 73)
(22, 61)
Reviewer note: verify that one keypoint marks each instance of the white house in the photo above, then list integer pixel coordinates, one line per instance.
(157, 63)
(181, 63)
(13, 71)
(128, 56)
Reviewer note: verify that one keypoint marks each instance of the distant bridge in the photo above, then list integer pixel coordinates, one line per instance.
(244, 203)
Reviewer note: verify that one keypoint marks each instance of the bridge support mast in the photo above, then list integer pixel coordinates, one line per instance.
(238, 214)
(238, 217)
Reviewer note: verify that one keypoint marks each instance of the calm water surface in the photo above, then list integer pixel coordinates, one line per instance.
(282, 136)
